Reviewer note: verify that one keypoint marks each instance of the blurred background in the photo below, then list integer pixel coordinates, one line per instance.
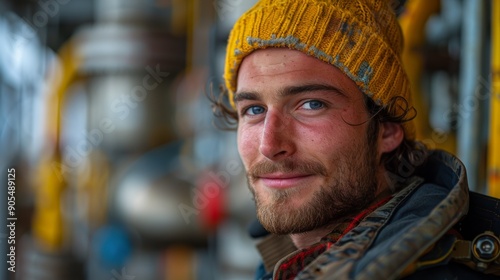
(121, 172)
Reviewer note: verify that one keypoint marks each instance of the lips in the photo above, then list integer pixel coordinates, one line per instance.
(281, 181)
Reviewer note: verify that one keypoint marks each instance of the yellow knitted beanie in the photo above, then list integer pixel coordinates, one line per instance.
(360, 37)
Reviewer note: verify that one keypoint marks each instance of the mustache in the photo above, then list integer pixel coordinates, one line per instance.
(287, 166)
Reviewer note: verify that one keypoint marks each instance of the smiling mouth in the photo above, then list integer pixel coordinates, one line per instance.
(282, 181)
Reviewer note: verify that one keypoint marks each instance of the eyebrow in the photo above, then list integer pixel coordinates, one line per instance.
(290, 90)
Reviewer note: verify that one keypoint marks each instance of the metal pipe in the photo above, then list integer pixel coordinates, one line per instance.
(468, 108)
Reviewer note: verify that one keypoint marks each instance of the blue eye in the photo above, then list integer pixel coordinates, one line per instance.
(254, 110)
(313, 105)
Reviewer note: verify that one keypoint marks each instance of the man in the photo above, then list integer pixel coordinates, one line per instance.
(324, 113)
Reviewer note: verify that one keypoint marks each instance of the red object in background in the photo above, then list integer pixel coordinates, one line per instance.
(210, 194)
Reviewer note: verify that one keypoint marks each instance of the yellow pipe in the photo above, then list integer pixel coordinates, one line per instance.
(48, 225)
(413, 22)
(494, 141)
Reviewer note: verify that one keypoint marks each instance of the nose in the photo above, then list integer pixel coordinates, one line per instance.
(277, 140)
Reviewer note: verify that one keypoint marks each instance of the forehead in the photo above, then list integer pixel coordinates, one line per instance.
(278, 67)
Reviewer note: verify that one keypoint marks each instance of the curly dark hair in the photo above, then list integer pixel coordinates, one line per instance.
(400, 163)
(403, 161)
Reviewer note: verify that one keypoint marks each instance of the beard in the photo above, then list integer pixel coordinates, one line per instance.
(349, 188)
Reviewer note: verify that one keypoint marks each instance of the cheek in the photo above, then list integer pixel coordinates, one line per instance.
(332, 135)
(326, 132)
(247, 144)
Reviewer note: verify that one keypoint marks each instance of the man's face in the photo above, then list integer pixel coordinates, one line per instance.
(302, 136)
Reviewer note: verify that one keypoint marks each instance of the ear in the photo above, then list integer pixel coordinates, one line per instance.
(391, 136)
